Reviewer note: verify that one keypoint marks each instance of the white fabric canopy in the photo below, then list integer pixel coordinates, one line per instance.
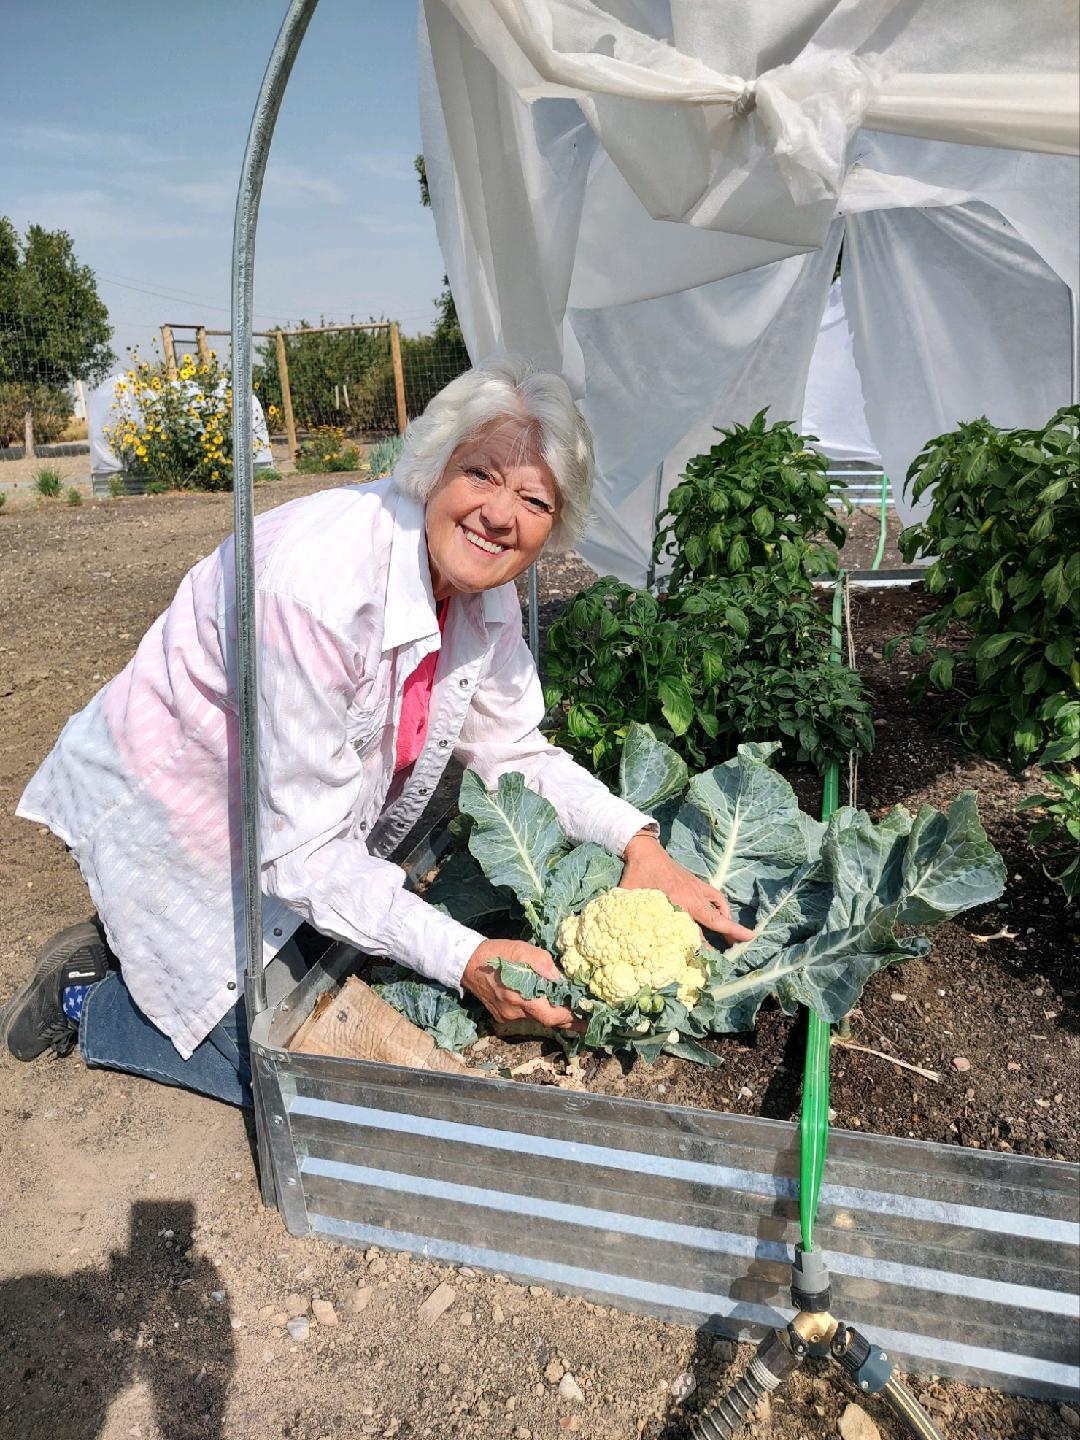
(833, 408)
(953, 316)
(649, 194)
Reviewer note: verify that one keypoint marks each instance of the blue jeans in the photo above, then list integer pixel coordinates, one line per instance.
(114, 1034)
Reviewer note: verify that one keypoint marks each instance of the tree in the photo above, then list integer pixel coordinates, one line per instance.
(447, 325)
(341, 377)
(54, 329)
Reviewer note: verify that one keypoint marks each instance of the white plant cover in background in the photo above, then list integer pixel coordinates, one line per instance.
(604, 208)
(834, 408)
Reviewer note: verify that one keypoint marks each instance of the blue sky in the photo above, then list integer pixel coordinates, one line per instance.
(125, 125)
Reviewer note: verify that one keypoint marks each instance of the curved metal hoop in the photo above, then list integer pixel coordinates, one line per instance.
(263, 120)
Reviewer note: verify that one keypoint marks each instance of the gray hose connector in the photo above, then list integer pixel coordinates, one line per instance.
(810, 1281)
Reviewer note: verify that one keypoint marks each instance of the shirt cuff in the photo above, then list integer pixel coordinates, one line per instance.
(613, 823)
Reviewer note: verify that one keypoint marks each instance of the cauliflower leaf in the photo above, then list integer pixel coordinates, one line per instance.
(516, 836)
(823, 901)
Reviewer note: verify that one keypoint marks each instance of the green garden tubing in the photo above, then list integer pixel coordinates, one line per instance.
(875, 564)
(814, 1115)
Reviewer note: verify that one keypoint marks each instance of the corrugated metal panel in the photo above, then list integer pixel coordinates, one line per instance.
(863, 487)
(961, 1262)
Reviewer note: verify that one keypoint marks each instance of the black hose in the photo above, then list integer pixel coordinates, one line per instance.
(902, 1403)
(723, 1417)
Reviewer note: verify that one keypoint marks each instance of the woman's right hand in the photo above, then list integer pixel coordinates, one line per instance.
(505, 1004)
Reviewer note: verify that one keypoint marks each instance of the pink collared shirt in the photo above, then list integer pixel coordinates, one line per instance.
(416, 703)
(142, 784)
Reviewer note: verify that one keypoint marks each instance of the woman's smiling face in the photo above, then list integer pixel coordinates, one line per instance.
(492, 512)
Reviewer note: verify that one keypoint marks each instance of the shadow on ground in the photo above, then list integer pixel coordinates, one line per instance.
(710, 1363)
(73, 1343)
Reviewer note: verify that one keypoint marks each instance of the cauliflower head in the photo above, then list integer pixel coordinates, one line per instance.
(627, 941)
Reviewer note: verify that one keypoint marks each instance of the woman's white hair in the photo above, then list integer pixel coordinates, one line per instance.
(505, 387)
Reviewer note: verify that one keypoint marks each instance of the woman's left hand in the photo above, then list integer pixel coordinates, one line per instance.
(648, 866)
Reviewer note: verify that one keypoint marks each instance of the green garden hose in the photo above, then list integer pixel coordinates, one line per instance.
(883, 530)
(780, 1352)
(814, 1116)
(813, 1124)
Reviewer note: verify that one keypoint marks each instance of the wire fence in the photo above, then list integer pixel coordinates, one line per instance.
(45, 370)
(366, 380)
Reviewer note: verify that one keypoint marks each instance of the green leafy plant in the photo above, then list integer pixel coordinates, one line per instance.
(431, 1006)
(383, 456)
(267, 474)
(340, 373)
(72, 496)
(732, 658)
(116, 486)
(1005, 528)
(3, 498)
(760, 496)
(1055, 835)
(155, 487)
(823, 901)
(175, 431)
(49, 483)
(325, 452)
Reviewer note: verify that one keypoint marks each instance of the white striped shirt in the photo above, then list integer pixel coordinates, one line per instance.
(143, 784)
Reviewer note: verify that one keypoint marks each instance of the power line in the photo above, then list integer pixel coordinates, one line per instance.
(178, 297)
(182, 297)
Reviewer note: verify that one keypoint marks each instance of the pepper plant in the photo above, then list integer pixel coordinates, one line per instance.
(1005, 528)
(1055, 835)
(760, 496)
(732, 658)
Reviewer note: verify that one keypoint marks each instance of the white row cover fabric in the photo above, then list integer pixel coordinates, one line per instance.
(953, 316)
(546, 195)
(657, 92)
(834, 409)
(104, 405)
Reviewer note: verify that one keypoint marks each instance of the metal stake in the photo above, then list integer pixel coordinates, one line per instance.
(650, 573)
(534, 616)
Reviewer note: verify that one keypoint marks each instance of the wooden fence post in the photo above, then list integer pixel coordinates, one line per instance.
(399, 377)
(201, 345)
(170, 352)
(286, 393)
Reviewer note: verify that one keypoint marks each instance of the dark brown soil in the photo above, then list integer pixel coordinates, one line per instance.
(992, 1011)
(143, 1288)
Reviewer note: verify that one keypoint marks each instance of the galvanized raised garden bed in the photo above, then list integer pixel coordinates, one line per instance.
(962, 1262)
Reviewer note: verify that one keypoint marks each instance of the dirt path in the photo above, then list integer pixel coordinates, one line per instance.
(143, 1290)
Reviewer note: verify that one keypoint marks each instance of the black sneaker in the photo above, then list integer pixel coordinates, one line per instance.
(34, 1019)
